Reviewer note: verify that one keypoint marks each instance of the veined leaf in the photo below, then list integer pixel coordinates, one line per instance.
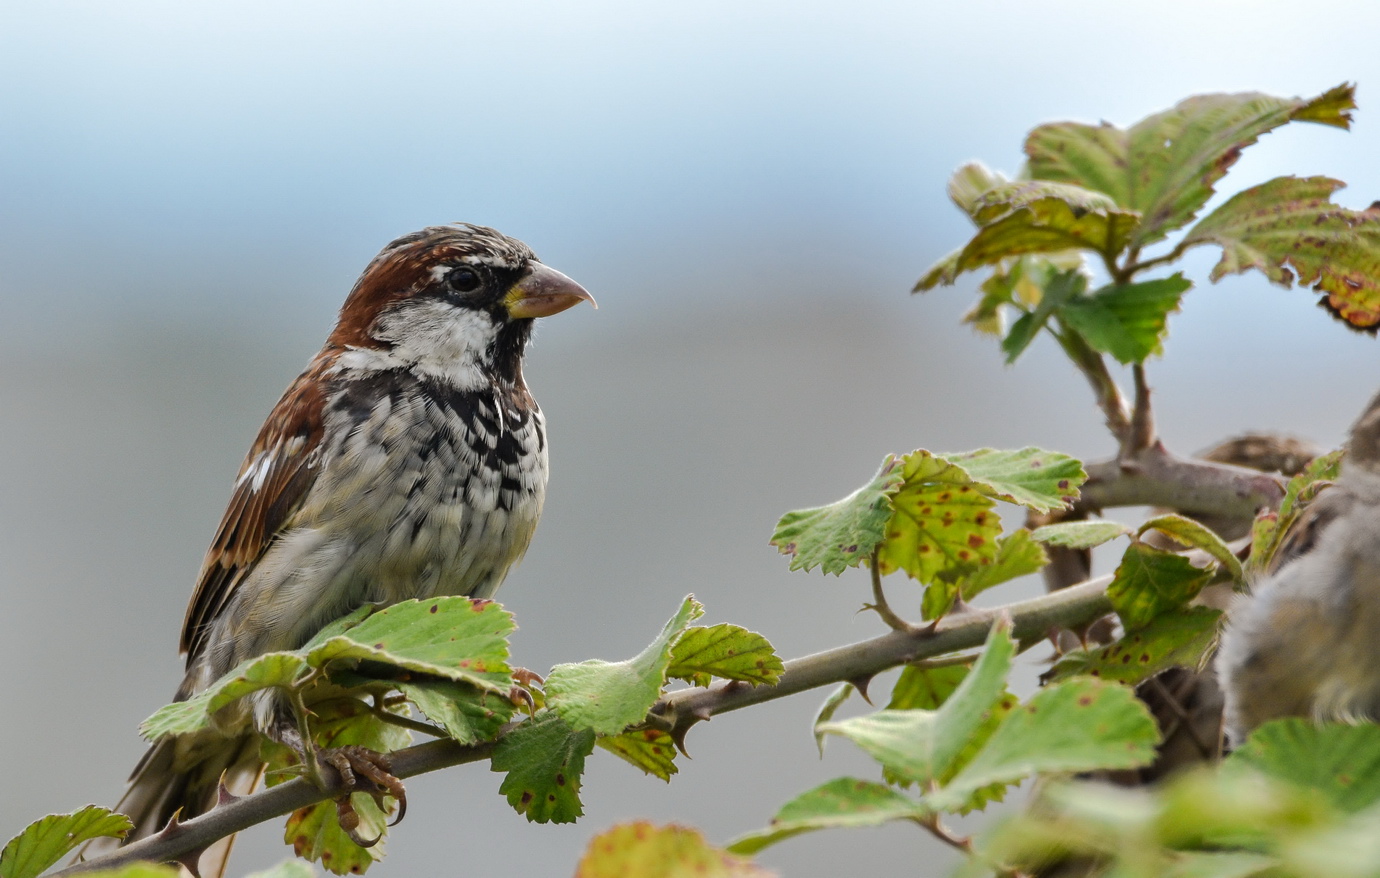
(923, 745)
(1030, 477)
(1079, 725)
(844, 533)
(1126, 321)
(844, 802)
(942, 520)
(1166, 165)
(607, 697)
(544, 759)
(1151, 581)
(1289, 229)
(45, 841)
(1180, 637)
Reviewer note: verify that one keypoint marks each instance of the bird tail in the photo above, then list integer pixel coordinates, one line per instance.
(176, 777)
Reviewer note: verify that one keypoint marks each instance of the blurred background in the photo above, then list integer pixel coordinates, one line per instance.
(750, 190)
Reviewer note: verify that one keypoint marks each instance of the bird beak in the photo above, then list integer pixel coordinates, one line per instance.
(542, 292)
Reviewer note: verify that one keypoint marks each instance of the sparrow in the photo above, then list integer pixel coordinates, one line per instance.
(408, 460)
(1304, 643)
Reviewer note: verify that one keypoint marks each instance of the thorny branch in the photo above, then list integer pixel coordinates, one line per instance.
(680, 710)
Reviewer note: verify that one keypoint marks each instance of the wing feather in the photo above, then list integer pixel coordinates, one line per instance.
(274, 478)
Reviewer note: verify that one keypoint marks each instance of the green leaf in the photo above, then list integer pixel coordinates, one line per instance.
(274, 669)
(452, 637)
(1166, 165)
(314, 832)
(146, 870)
(1016, 556)
(843, 802)
(925, 688)
(1289, 229)
(1055, 292)
(1180, 637)
(1079, 725)
(642, 850)
(1151, 581)
(1127, 321)
(1044, 217)
(828, 709)
(922, 745)
(970, 183)
(652, 750)
(1269, 528)
(544, 759)
(941, 521)
(607, 697)
(729, 652)
(49, 839)
(1340, 761)
(1192, 534)
(469, 715)
(842, 534)
(1031, 477)
(1080, 534)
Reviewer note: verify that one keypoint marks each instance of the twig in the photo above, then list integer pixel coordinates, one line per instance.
(1105, 390)
(1031, 618)
(1156, 477)
(1141, 434)
(879, 604)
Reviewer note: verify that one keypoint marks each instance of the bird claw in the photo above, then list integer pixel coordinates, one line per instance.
(521, 693)
(366, 771)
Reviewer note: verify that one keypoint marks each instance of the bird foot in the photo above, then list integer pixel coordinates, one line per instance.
(366, 771)
(521, 693)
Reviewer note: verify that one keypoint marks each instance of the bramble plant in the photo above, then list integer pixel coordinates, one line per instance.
(1295, 799)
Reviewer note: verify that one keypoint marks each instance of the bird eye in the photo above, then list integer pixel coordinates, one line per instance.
(464, 279)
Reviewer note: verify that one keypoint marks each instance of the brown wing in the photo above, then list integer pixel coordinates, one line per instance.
(274, 478)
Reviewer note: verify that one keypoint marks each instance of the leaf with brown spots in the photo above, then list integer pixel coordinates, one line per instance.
(544, 759)
(1017, 555)
(314, 831)
(845, 802)
(451, 637)
(1151, 581)
(1178, 638)
(1165, 166)
(729, 652)
(469, 715)
(633, 850)
(842, 534)
(652, 750)
(942, 520)
(1031, 477)
(1289, 230)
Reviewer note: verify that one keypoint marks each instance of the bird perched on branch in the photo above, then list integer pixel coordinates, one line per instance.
(1304, 644)
(407, 461)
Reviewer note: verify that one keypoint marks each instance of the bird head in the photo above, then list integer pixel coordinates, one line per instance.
(453, 302)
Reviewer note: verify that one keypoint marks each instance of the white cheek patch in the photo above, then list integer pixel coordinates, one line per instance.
(432, 338)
